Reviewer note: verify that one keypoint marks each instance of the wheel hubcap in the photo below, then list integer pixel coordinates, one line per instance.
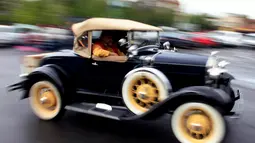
(47, 98)
(144, 93)
(197, 125)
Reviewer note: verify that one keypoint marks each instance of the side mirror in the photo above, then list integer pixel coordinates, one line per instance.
(166, 45)
(122, 42)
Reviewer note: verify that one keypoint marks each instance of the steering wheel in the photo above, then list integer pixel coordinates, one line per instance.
(144, 42)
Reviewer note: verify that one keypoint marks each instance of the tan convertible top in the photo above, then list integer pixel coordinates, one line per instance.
(110, 24)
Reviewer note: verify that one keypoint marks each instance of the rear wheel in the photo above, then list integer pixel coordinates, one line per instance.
(46, 101)
(198, 123)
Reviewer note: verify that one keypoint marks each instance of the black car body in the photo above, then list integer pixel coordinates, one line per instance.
(83, 81)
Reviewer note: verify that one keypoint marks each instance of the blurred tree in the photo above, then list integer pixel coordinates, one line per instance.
(202, 21)
(56, 11)
(39, 12)
(5, 9)
(89, 8)
(163, 17)
(154, 16)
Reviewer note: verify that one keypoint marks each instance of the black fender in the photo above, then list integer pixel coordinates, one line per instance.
(227, 76)
(52, 72)
(158, 73)
(215, 97)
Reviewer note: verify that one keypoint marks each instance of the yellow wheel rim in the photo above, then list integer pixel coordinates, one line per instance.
(44, 99)
(143, 93)
(197, 126)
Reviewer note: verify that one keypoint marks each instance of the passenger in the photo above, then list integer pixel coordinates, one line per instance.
(106, 47)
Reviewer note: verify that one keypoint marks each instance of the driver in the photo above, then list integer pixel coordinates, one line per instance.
(106, 47)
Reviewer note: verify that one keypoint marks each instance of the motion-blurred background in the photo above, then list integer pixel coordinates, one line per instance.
(45, 24)
(193, 26)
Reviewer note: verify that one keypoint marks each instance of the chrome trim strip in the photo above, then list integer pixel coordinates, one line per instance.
(76, 109)
(154, 56)
(23, 75)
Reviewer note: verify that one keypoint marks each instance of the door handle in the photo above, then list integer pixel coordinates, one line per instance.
(95, 64)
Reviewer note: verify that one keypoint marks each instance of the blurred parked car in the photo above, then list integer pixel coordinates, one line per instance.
(177, 39)
(22, 31)
(168, 29)
(226, 38)
(6, 35)
(57, 38)
(50, 39)
(203, 41)
(248, 40)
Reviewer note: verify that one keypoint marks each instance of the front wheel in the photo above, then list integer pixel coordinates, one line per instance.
(45, 100)
(198, 123)
(142, 90)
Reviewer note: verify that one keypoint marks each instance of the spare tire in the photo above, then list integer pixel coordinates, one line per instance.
(142, 89)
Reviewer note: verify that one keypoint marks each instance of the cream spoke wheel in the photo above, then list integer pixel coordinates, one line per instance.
(198, 123)
(45, 100)
(142, 90)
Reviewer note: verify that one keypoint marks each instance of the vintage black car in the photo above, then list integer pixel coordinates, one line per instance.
(146, 83)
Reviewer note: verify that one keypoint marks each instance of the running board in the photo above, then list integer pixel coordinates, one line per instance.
(100, 109)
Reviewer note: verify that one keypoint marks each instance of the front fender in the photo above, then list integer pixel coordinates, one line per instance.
(215, 97)
(210, 95)
(156, 72)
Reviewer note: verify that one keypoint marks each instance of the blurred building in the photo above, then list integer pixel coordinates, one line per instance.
(170, 4)
(237, 22)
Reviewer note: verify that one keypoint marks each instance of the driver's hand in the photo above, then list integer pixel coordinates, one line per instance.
(113, 54)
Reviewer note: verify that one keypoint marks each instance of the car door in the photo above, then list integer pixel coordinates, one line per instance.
(109, 75)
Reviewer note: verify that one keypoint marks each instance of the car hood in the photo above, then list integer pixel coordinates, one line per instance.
(169, 57)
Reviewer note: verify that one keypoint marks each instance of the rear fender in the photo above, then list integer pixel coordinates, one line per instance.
(215, 97)
(49, 72)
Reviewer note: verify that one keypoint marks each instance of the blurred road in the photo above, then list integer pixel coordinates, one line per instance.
(19, 125)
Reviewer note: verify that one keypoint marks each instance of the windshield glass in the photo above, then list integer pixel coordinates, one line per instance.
(147, 37)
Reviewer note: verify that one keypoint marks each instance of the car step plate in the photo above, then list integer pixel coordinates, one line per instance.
(99, 109)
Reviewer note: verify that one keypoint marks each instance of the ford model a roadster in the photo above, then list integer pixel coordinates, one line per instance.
(144, 83)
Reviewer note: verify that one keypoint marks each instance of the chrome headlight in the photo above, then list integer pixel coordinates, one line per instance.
(214, 67)
(212, 62)
(215, 72)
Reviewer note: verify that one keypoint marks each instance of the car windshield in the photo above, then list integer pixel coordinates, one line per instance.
(144, 37)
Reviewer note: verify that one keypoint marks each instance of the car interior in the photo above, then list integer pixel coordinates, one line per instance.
(116, 34)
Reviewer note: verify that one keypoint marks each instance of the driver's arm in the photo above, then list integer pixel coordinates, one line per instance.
(120, 53)
(99, 51)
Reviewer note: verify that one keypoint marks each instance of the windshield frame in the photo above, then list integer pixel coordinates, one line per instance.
(131, 32)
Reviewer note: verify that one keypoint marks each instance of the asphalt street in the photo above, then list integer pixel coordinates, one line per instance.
(19, 125)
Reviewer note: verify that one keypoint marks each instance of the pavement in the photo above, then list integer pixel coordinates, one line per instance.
(19, 125)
